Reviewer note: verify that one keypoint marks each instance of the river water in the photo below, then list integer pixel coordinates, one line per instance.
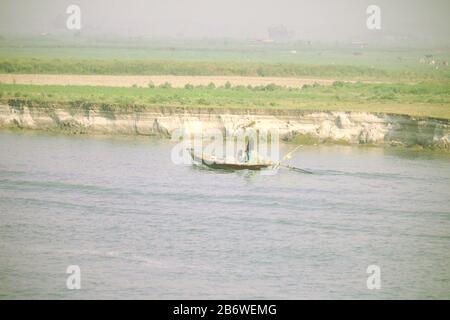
(139, 226)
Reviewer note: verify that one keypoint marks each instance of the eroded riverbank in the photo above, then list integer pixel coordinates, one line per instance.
(301, 126)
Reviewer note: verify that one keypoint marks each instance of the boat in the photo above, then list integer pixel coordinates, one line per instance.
(214, 163)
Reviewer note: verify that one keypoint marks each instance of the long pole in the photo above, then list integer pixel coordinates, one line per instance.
(294, 168)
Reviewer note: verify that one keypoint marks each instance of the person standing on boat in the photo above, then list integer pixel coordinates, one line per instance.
(249, 150)
(247, 154)
(244, 155)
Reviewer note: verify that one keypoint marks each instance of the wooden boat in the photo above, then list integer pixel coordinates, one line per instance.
(214, 163)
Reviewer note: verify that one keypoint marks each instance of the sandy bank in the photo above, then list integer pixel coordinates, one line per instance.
(143, 81)
(318, 126)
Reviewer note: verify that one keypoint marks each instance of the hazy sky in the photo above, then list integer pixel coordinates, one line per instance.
(327, 20)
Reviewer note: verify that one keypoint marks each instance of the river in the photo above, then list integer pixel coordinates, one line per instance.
(139, 226)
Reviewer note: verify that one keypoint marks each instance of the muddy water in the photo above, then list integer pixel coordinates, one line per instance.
(139, 226)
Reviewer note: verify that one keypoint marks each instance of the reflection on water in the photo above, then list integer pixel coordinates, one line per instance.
(141, 227)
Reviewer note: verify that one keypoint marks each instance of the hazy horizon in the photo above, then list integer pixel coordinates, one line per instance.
(323, 20)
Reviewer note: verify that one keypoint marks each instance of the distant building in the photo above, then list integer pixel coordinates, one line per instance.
(360, 44)
(279, 33)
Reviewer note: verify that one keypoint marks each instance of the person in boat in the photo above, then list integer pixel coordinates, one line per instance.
(247, 151)
(246, 154)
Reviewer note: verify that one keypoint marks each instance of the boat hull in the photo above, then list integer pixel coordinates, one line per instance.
(214, 164)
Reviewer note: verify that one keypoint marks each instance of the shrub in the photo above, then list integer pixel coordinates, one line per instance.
(338, 84)
(202, 101)
(270, 87)
(260, 72)
(166, 85)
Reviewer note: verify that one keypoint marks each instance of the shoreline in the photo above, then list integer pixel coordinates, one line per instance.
(297, 126)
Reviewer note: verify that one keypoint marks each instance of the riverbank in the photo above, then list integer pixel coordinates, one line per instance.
(300, 126)
(349, 113)
(418, 100)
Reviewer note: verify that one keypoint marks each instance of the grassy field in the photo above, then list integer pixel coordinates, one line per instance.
(406, 80)
(392, 57)
(245, 58)
(424, 99)
(206, 68)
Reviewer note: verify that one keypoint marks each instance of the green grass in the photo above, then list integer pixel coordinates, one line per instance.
(241, 58)
(259, 69)
(219, 50)
(411, 87)
(423, 99)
